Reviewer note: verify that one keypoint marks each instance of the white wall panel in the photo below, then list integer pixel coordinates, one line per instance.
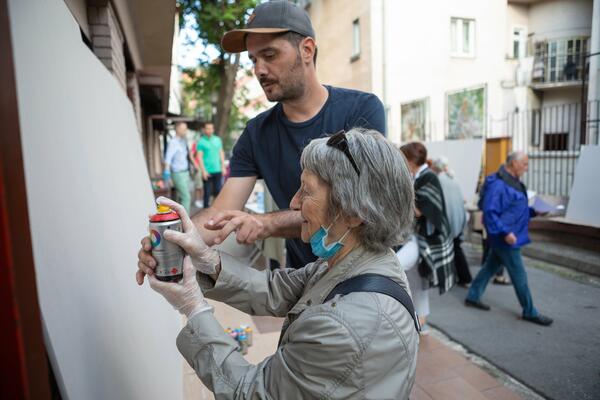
(464, 159)
(584, 203)
(88, 197)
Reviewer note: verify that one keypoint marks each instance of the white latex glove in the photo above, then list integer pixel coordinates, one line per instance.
(185, 296)
(203, 257)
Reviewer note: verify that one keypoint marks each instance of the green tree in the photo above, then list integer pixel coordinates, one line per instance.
(211, 85)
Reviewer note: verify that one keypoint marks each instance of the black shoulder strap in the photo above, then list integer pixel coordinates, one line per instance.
(378, 284)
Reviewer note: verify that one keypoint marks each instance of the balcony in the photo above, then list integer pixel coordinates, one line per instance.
(558, 62)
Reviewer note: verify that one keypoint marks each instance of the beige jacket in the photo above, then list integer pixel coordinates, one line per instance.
(358, 346)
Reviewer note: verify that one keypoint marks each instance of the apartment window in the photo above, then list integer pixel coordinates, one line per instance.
(519, 42)
(559, 60)
(556, 141)
(462, 36)
(355, 40)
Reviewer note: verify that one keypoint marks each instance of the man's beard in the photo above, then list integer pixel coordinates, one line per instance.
(291, 85)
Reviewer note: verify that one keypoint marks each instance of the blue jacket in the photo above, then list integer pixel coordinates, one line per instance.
(506, 210)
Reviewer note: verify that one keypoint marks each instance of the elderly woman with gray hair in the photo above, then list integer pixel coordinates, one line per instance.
(349, 330)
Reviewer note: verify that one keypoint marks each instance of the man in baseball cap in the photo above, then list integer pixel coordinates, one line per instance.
(271, 17)
(280, 41)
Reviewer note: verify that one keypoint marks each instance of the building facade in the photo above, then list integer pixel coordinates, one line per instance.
(467, 68)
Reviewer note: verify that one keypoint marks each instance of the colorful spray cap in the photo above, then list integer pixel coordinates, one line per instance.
(163, 214)
(162, 209)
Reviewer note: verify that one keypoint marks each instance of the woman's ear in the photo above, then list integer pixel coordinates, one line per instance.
(353, 222)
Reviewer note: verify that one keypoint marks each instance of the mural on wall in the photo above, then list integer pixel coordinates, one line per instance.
(414, 120)
(466, 113)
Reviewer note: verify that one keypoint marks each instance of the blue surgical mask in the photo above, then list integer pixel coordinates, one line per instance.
(322, 250)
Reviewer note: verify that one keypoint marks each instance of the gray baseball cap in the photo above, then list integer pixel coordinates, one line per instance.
(270, 17)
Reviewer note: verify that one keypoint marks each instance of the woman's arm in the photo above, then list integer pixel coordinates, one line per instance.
(312, 365)
(256, 292)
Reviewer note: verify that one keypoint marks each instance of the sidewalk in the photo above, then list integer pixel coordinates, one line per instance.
(559, 362)
(442, 373)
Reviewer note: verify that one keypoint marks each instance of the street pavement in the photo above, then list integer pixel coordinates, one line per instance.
(559, 362)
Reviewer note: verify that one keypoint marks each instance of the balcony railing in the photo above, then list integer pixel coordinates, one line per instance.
(559, 61)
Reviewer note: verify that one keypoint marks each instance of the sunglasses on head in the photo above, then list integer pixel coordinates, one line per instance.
(340, 142)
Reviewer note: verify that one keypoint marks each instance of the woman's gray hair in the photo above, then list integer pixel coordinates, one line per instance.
(382, 196)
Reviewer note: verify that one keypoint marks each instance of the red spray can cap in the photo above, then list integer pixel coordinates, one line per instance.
(164, 214)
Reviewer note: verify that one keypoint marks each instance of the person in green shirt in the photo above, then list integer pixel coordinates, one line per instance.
(211, 161)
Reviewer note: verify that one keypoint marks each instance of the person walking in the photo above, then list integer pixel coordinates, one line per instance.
(506, 217)
(197, 174)
(432, 232)
(457, 217)
(176, 165)
(211, 161)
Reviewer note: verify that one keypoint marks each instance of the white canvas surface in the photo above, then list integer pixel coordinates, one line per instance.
(464, 159)
(584, 202)
(88, 197)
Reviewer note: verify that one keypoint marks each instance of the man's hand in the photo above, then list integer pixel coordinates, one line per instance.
(249, 227)
(510, 238)
(204, 176)
(185, 296)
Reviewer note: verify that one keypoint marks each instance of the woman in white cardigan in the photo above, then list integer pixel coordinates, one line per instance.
(408, 255)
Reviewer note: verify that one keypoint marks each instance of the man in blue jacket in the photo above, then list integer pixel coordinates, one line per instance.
(506, 215)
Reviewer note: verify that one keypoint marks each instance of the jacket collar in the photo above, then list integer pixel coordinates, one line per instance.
(510, 180)
(420, 171)
(358, 261)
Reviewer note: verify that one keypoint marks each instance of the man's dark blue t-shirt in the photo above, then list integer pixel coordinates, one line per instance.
(270, 148)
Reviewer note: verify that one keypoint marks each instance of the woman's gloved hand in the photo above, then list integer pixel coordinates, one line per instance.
(185, 296)
(204, 259)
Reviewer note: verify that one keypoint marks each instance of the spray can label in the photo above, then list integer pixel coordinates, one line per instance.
(168, 255)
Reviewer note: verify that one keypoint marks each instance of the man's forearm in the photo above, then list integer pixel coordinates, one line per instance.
(201, 165)
(286, 224)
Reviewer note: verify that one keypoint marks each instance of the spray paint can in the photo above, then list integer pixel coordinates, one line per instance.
(168, 255)
(248, 333)
(243, 341)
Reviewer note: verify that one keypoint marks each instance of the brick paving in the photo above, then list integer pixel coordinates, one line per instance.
(443, 373)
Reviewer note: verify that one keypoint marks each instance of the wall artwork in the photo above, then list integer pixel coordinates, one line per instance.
(466, 113)
(414, 120)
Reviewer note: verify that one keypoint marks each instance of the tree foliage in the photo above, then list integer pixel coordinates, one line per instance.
(209, 88)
